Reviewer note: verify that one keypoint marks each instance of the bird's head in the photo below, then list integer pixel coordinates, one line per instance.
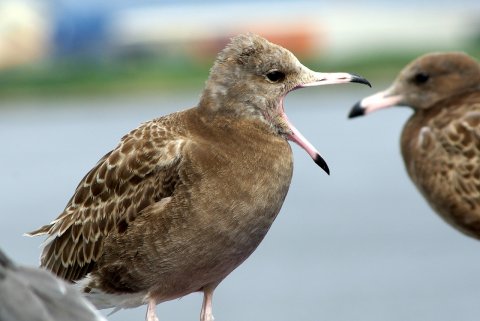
(424, 82)
(251, 77)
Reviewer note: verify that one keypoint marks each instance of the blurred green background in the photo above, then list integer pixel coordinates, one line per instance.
(89, 47)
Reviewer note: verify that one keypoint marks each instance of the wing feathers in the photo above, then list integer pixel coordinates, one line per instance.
(135, 175)
(459, 143)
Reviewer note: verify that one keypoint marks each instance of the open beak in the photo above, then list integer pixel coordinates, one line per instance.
(321, 78)
(318, 79)
(374, 102)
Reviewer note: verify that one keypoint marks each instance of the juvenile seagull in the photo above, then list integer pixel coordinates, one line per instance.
(32, 294)
(441, 141)
(186, 198)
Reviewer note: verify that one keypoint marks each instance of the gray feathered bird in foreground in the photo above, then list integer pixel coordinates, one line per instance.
(441, 140)
(31, 294)
(184, 199)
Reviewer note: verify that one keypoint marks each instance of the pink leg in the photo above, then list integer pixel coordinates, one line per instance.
(206, 314)
(151, 315)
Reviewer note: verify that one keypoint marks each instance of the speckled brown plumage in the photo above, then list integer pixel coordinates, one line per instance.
(185, 198)
(142, 170)
(440, 143)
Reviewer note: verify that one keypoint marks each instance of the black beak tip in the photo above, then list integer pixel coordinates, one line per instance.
(359, 79)
(322, 163)
(356, 110)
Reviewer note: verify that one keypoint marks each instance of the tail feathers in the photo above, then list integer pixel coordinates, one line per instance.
(41, 231)
(114, 311)
(104, 300)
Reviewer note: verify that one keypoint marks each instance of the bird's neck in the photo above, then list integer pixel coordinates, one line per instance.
(222, 101)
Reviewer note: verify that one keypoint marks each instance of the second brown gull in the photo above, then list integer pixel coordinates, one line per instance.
(186, 198)
(440, 142)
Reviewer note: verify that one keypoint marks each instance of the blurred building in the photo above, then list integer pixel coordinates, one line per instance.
(33, 30)
(337, 29)
(80, 30)
(199, 30)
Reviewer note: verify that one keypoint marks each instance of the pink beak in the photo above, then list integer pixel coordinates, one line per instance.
(320, 79)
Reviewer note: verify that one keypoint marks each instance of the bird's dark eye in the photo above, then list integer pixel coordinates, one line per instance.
(421, 78)
(275, 76)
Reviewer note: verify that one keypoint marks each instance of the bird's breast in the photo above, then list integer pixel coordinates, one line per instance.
(247, 186)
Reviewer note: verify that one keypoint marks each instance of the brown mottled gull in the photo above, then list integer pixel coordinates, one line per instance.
(441, 141)
(184, 199)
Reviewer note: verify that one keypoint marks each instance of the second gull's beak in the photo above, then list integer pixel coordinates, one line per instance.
(374, 102)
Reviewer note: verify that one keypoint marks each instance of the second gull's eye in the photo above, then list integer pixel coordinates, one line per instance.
(421, 78)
